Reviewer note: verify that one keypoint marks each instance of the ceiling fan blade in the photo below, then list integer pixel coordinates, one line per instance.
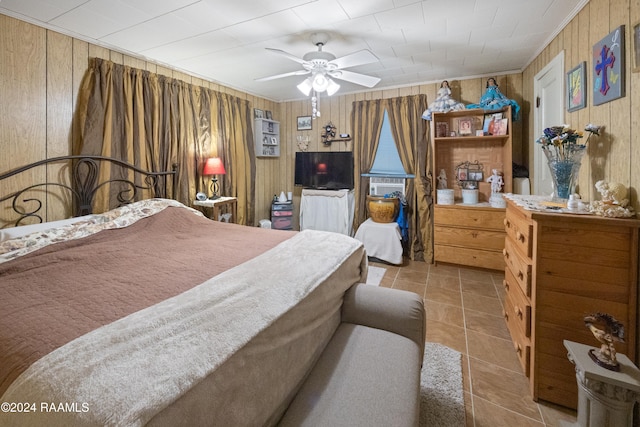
(354, 59)
(278, 76)
(288, 55)
(357, 78)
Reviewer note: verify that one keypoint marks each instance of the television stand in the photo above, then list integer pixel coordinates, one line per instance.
(327, 210)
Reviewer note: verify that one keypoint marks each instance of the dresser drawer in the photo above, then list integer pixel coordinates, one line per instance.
(466, 256)
(519, 305)
(521, 344)
(520, 267)
(520, 230)
(487, 218)
(471, 238)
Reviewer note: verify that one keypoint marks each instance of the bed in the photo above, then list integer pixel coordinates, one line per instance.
(147, 313)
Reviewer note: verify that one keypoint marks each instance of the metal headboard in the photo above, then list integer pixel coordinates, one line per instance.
(84, 184)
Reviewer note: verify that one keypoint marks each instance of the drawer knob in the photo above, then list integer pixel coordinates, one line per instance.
(505, 315)
(505, 284)
(506, 223)
(519, 236)
(520, 275)
(505, 253)
(517, 348)
(518, 311)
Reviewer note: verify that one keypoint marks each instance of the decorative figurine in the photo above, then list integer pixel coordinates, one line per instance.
(614, 203)
(442, 180)
(496, 181)
(607, 330)
(493, 99)
(443, 103)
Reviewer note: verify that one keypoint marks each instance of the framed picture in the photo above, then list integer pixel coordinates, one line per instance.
(635, 44)
(486, 125)
(268, 115)
(475, 175)
(465, 126)
(304, 122)
(500, 126)
(576, 87)
(274, 140)
(463, 174)
(608, 67)
(442, 129)
(258, 113)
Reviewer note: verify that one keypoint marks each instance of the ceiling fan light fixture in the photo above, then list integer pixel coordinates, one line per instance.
(320, 82)
(306, 86)
(333, 87)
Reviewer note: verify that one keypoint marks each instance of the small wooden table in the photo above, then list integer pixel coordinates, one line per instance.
(222, 208)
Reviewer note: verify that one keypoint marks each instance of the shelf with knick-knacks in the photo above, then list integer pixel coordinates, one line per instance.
(267, 138)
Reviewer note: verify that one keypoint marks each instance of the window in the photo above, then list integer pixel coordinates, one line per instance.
(387, 160)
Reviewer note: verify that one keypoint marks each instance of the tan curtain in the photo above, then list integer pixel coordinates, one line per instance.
(154, 121)
(366, 123)
(410, 133)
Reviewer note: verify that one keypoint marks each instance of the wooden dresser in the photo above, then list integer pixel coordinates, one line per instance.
(469, 235)
(559, 268)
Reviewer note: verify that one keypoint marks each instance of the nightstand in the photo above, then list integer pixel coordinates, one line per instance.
(222, 208)
(282, 215)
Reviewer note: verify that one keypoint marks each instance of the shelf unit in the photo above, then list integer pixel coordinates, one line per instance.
(470, 234)
(267, 138)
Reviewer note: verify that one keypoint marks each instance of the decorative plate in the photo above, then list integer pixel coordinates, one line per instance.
(201, 196)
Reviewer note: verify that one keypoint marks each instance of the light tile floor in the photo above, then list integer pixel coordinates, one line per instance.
(464, 312)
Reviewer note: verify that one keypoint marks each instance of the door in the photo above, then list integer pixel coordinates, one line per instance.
(548, 89)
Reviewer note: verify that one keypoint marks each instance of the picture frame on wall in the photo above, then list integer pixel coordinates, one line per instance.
(576, 87)
(608, 67)
(304, 123)
(635, 45)
(268, 115)
(258, 113)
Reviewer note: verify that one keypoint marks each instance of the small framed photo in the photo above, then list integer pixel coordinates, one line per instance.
(274, 140)
(576, 90)
(268, 115)
(475, 175)
(465, 126)
(463, 174)
(304, 122)
(442, 129)
(500, 127)
(258, 113)
(635, 45)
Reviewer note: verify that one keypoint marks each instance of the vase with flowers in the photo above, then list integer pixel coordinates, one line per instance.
(564, 152)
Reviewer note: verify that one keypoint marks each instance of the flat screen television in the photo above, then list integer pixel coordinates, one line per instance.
(324, 170)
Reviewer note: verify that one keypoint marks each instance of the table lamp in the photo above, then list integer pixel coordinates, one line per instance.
(213, 166)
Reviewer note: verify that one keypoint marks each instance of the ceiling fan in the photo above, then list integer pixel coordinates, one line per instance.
(323, 67)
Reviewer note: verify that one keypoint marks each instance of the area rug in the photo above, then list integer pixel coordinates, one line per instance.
(374, 275)
(441, 390)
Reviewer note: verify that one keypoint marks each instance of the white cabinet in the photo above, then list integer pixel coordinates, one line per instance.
(267, 138)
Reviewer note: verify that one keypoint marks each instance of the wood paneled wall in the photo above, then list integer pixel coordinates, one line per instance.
(615, 156)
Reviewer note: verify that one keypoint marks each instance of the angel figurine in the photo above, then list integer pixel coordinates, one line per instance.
(607, 330)
(442, 179)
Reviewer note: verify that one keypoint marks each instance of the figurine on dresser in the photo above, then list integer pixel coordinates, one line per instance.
(497, 182)
(442, 180)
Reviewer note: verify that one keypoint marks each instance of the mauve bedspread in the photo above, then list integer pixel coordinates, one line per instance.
(158, 329)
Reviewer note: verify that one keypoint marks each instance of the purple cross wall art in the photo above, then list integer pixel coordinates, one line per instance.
(608, 67)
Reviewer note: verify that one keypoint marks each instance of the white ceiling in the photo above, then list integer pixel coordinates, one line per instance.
(224, 40)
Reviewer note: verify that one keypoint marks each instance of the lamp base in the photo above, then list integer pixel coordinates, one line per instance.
(215, 188)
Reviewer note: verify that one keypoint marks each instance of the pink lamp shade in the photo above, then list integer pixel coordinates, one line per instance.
(213, 166)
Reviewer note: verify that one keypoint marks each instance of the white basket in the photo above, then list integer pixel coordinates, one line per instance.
(444, 197)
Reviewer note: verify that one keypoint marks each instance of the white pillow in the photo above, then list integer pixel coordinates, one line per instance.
(23, 230)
